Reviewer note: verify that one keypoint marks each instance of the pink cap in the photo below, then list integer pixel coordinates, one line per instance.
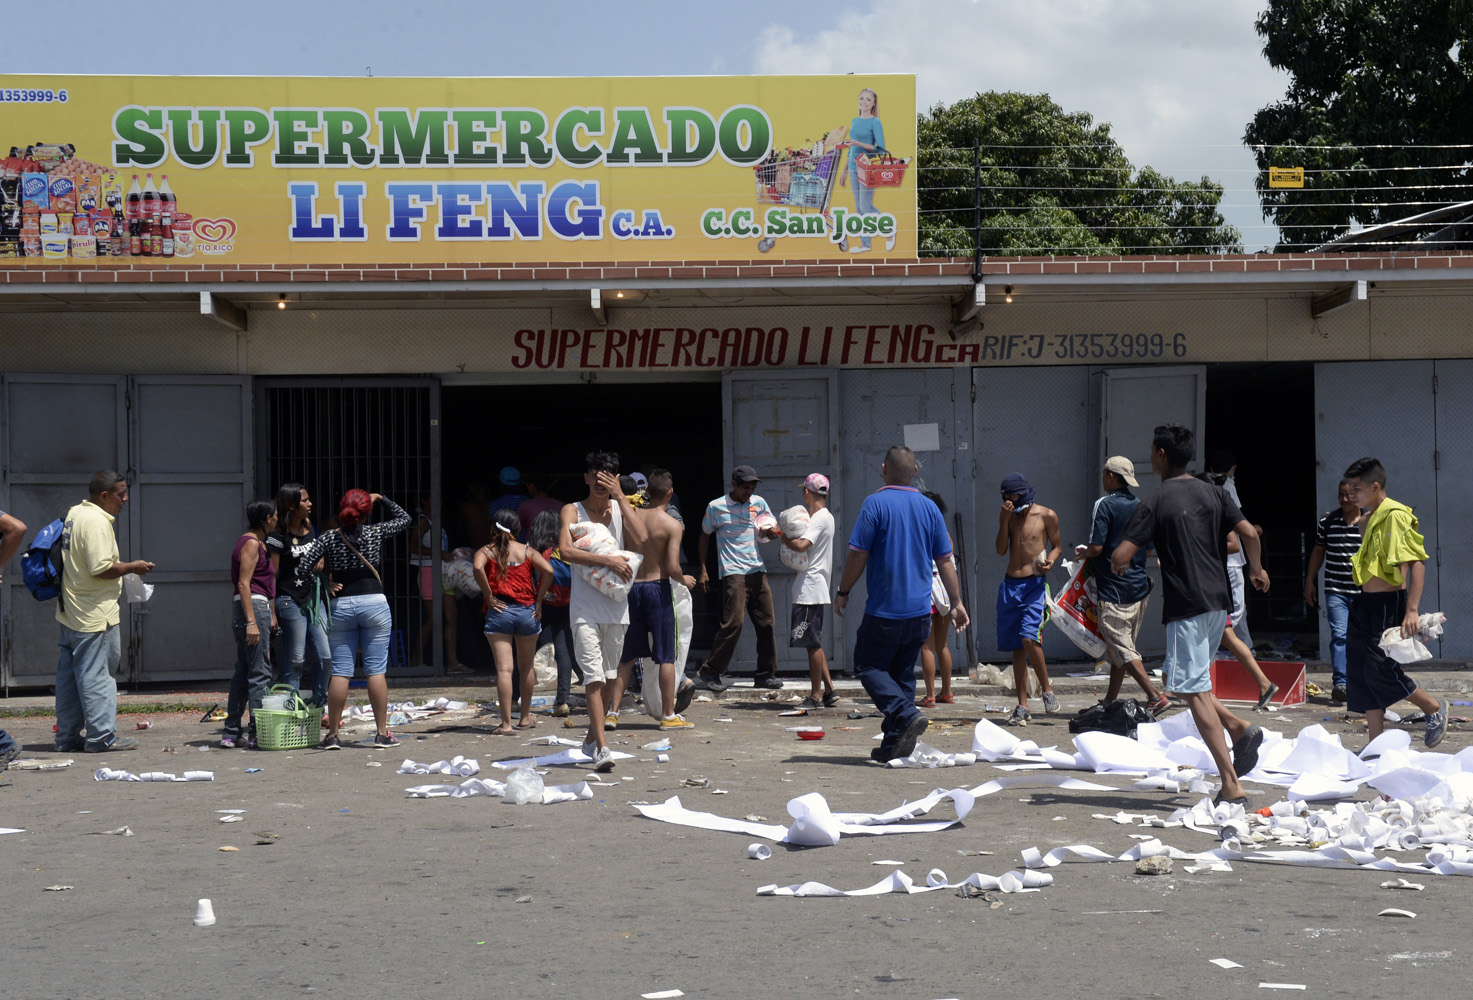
(817, 483)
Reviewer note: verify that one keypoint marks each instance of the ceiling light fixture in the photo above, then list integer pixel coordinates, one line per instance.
(1007, 293)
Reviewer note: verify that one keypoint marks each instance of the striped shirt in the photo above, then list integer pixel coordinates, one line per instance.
(358, 576)
(1340, 542)
(734, 525)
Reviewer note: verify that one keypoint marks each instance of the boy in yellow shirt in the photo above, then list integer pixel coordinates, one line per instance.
(1388, 569)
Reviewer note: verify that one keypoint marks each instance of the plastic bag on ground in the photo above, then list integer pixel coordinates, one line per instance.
(525, 785)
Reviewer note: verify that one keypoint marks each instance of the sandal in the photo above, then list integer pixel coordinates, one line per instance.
(928, 703)
(946, 699)
(503, 731)
(526, 723)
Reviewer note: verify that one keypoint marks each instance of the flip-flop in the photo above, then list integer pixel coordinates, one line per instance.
(529, 725)
(928, 702)
(1266, 697)
(946, 699)
(503, 731)
(1241, 800)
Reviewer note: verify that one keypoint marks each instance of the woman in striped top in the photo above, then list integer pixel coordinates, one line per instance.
(1337, 536)
(360, 611)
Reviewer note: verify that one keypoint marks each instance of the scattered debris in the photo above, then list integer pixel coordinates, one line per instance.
(754, 818)
(759, 852)
(696, 781)
(1392, 911)
(232, 818)
(1225, 963)
(662, 995)
(266, 837)
(1401, 883)
(1158, 865)
(36, 764)
(230, 850)
(121, 831)
(58, 888)
(523, 899)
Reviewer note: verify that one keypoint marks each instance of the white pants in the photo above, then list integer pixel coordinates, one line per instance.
(597, 648)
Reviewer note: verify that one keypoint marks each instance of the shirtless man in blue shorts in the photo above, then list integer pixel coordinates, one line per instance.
(1028, 534)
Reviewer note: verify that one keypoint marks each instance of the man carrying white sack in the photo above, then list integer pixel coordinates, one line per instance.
(1388, 569)
(599, 621)
(897, 538)
(811, 589)
(1188, 522)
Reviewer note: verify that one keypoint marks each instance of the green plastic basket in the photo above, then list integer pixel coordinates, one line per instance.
(294, 729)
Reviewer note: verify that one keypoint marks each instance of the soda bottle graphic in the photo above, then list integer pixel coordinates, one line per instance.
(150, 199)
(166, 197)
(135, 200)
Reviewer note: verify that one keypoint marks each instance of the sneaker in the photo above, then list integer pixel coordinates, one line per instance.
(229, 742)
(1436, 725)
(1159, 706)
(710, 682)
(1245, 751)
(611, 720)
(1266, 697)
(603, 760)
(385, 740)
(250, 744)
(589, 749)
(561, 710)
(831, 699)
(330, 743)
(676, 721)
(1338, 694)
(684, 694)
(881, 755)
(1020, 717)
(767, 682)
(906, 744)
(1050, 703)
(810, 702)
(128, 743)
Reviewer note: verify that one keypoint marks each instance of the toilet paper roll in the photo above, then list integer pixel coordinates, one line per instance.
(759, 852)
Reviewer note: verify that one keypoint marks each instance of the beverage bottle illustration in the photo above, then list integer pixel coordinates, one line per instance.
(166, 197)
(135, 199)
(150, 198)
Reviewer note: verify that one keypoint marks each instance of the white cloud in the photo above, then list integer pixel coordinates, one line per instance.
(1178, 80)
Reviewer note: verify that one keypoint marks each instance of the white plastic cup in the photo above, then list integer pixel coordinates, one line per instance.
(204, 914)
(759, 852)
(663, 758)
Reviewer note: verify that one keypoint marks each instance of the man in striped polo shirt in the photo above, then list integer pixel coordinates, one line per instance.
(1336, 538)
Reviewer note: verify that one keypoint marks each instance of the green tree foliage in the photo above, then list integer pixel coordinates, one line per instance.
(1052, 182)
(1375, 87)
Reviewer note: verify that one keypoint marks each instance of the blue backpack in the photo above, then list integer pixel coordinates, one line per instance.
(40, 565)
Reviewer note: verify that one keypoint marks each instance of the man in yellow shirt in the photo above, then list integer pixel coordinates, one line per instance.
(1388, 569)
(88, 613)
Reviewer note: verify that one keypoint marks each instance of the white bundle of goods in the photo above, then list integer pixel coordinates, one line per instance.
(596, 540)
(794, 523)
(458, 573)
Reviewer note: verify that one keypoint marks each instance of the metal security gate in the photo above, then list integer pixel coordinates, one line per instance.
(785, 427)
(183, 443)
(380, 435)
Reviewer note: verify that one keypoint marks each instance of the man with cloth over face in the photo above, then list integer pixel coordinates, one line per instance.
(898, 537)
(1028, 534)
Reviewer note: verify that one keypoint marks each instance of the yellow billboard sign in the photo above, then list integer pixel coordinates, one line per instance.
(1286, 177)
(258, 170)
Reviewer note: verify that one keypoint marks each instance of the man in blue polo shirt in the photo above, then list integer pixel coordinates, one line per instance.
(897, 538)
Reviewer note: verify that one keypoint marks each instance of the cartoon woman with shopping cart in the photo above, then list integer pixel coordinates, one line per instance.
(866, 138)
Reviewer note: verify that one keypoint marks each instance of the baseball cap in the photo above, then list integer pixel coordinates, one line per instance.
(745, 474)
(817, 483)
(639, 480)
(510, 476)
(1122, 467)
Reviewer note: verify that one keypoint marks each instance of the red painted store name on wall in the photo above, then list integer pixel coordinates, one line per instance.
(738, 347)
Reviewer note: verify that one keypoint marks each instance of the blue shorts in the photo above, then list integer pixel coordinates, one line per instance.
(1191, 645)
(651, 623)
(1022, 610)
(514, 619)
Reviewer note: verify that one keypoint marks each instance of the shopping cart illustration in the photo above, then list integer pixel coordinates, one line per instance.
(800, 180)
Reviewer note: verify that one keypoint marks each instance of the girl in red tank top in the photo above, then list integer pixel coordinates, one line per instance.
(513, 612)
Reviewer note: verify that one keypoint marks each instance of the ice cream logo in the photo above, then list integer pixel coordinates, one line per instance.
(213, 236)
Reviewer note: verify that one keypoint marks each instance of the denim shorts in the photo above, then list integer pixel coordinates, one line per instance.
(1190, 646)
(514, 619)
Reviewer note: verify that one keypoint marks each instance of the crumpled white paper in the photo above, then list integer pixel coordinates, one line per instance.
(551, 794)
(573, 756)
(108, 774)
(461, 767)
(1008, 882)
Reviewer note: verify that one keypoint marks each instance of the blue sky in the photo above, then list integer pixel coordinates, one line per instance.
(1177, 79)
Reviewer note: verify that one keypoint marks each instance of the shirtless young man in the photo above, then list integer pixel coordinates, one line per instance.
(1028, 534)
(651, 613)
(599, 621)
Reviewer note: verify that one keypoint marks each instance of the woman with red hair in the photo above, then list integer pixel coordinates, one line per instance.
(360, 612)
